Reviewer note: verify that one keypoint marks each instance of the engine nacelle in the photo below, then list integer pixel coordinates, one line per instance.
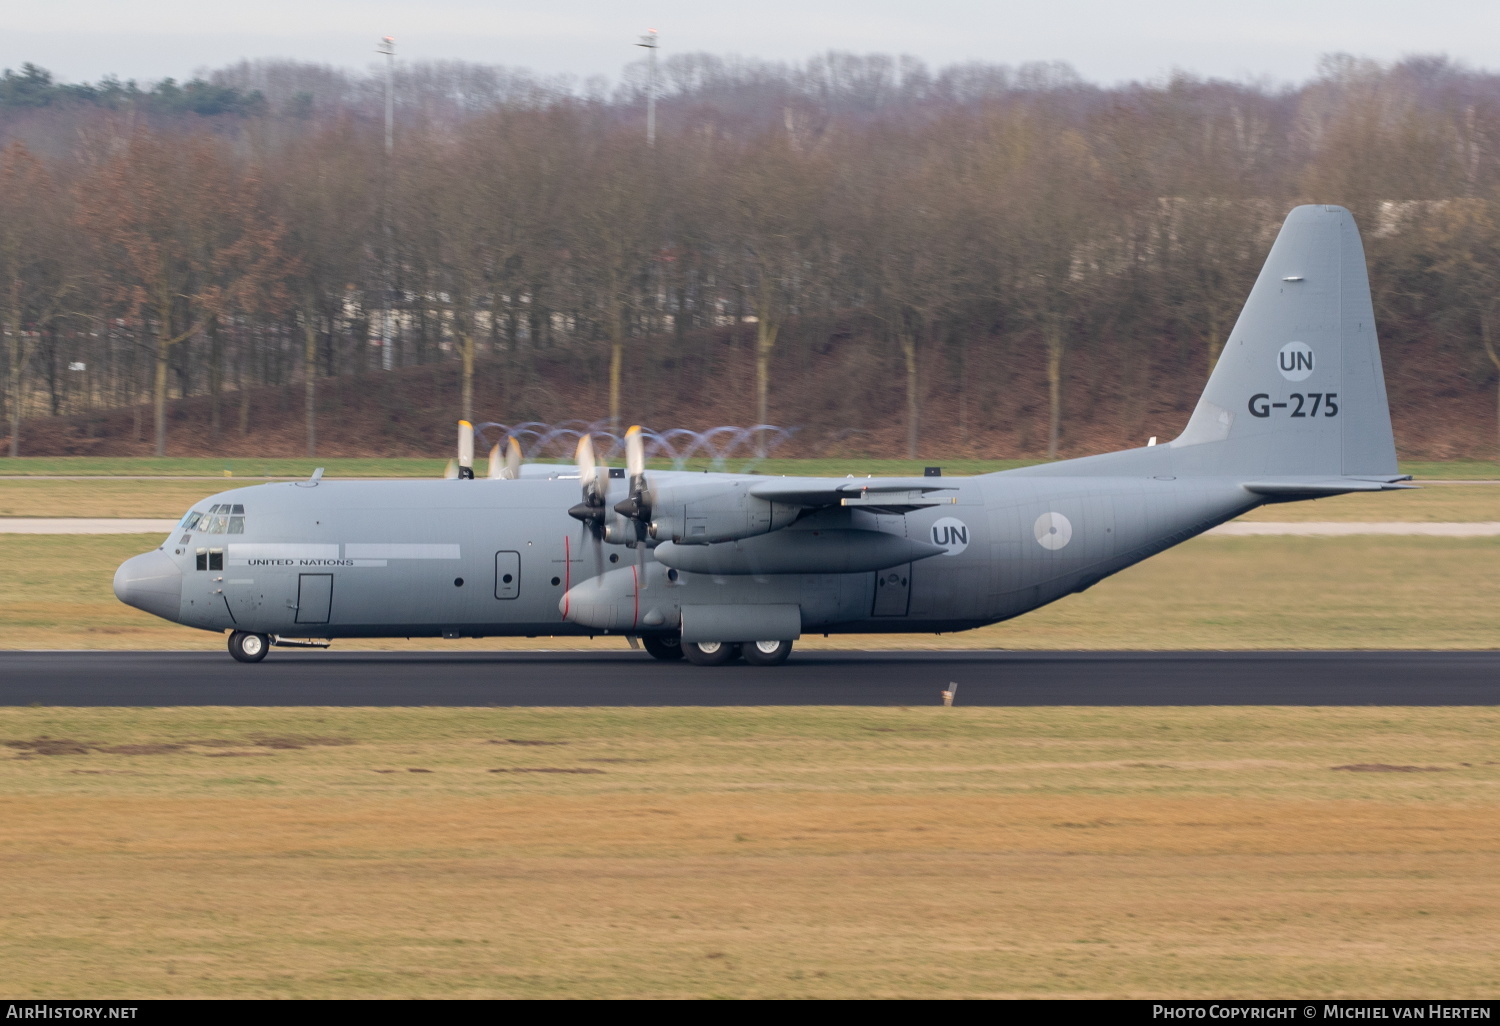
(649, 599)
(714, 510)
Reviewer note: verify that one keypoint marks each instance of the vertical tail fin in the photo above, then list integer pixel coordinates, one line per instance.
(1298, 390)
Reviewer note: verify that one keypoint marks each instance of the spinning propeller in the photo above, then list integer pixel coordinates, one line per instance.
(504, 465)
(636, 507)
(508, 466)
(463, 467)
(591, 512)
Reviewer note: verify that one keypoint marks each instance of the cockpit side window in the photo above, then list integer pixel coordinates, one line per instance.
(221, 518)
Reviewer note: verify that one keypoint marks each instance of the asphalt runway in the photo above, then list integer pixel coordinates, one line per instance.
(301, 678)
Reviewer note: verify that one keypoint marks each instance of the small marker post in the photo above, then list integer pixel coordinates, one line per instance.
(951, 693)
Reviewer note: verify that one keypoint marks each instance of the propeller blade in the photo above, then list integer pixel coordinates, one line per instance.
(585, 459)
(512, 459)
(505, 465)
(465, 449)
(635, 453)
(450, 472)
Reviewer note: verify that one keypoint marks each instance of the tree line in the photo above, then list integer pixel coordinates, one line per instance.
(955, 241)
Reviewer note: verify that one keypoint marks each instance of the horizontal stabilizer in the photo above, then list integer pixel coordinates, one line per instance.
(1312, 488)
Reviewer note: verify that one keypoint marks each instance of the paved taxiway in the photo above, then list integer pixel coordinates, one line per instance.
(291, 678)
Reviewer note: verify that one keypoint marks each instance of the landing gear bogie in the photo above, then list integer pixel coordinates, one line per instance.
(720, 653)
(247, 647)
(767, 653)
(666, 647)
(710, 653)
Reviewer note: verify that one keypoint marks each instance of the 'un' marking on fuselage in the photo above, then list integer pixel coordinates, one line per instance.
(952, 534)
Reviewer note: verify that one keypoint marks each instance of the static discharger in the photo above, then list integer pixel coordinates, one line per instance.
(951, 693)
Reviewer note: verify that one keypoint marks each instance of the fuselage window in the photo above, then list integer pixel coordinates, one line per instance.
(210, 559)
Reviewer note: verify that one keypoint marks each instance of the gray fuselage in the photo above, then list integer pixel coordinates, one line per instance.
(338, 559)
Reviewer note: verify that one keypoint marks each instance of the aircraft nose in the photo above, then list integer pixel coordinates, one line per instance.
(151, 581)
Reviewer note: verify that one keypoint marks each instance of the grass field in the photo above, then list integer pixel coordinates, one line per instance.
(128, 497)
(813, 852)
(1210, 593)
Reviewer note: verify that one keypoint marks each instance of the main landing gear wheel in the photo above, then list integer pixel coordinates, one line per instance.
(767, 653)
(709, 653)
(247, 647)
(663, 646)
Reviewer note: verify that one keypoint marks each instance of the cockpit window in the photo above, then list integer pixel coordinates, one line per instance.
(218, 520)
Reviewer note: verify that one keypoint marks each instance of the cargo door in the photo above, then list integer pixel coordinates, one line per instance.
(314, 597)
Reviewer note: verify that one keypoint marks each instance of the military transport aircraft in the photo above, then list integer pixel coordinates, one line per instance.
(717, 567)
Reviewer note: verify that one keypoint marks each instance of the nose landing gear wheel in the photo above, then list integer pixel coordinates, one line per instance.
(247, 647)
(767, 653)
(662, 646)
(708, 653)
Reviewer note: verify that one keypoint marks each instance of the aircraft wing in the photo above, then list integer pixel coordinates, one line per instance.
(873, 494)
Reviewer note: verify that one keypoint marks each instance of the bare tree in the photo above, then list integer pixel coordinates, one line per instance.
(614, 206)
(324, 191)
(184, 237)
(1467, 234)
(776, 223)
(33, 273)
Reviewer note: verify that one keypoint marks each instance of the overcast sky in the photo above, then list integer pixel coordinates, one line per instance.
(1106, 40)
